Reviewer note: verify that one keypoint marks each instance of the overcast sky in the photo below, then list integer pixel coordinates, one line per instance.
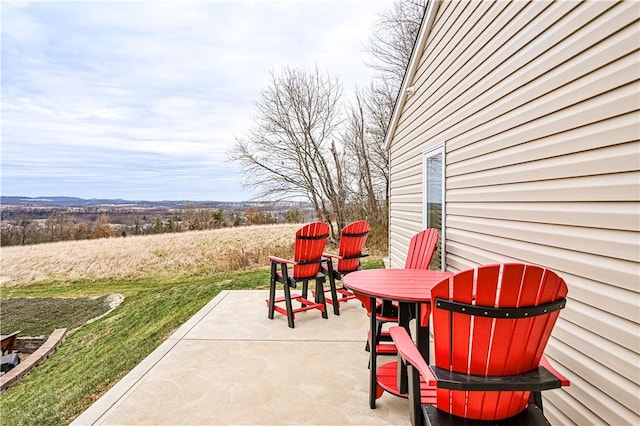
(142, 100)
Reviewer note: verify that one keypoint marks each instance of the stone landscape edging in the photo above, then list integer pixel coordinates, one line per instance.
(42, 353)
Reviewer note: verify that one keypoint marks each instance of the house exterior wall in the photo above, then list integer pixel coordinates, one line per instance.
(537, 105)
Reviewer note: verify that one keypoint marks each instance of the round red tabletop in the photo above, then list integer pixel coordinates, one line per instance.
(403, 285)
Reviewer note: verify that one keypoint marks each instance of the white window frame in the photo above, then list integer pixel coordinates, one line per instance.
(425, 198)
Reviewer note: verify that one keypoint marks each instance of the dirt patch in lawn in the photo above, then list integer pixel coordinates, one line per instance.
(39, 316)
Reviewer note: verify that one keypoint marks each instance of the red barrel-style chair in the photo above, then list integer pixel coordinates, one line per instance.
(307, 259)
(491, 325)
(422, 247)
(352, 240)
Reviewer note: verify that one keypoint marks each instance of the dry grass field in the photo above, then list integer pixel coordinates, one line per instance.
(164, 280)
(185, 254)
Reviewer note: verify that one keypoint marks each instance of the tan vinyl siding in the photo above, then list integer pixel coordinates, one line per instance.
(623, 216)
(538, 107)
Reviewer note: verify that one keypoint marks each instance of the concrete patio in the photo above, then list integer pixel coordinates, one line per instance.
(231, 365)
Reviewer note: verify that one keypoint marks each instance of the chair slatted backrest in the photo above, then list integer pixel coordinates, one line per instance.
(310, 242)
(421, 249)
(483, 346)
(352, 240)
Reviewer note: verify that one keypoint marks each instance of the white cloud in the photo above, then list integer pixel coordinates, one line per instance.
(113, 94)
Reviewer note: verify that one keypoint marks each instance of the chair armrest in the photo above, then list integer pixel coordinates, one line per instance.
(536, 380)
(281, 260)
(410, 353)
(544, 362)
(333, 256)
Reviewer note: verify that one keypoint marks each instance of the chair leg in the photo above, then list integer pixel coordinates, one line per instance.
(287, 301)
(305, 291)
(334, 296)
(272, 291)
(415, 404)
(320, 297)
(332, 286)
(536, 398)
(378, 335)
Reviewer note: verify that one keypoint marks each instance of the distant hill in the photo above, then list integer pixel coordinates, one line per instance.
(19, 201)
(55, 201)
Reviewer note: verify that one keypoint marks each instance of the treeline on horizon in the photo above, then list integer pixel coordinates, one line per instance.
(64, 224)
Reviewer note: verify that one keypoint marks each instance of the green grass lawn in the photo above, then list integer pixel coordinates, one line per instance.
(94, 358)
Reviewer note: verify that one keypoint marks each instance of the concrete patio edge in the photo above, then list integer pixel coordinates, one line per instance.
(129, 382)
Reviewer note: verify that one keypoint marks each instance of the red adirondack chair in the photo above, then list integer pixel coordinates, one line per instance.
(352, 240)
(491, 326)
(310, 242)
(421, 250)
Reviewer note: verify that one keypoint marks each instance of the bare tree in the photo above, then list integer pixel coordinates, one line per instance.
(299, 146)
(102, 228)
(393, 39)
(58, 226)
(390, 47)
(291, 151)
(367, 163)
